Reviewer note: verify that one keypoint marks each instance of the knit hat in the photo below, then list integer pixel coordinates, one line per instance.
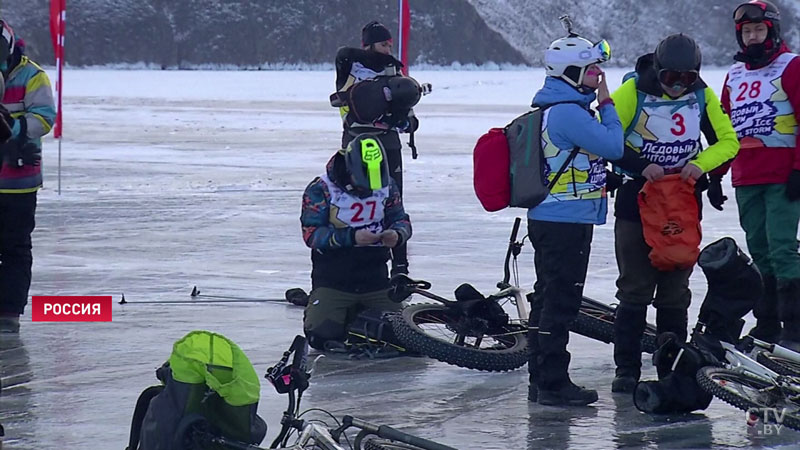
(374, 32)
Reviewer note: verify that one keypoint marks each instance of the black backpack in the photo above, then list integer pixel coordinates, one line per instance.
(219, 388)
(387, 99)
(676, 390)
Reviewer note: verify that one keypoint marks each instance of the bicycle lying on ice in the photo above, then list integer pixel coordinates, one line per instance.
(475, 331)
(741, 380)
(292, 378)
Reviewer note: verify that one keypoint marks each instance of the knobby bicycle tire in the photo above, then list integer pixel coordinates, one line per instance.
(732, 388)
(779, 365)
(511, 353)
(596, 321)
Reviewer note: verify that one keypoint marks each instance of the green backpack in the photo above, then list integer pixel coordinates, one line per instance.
(208, 375)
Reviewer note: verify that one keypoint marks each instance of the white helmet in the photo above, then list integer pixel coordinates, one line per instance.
(567, 58)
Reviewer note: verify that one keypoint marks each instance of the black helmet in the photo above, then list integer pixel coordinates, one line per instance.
(404, 93)
(678, 52)
(365, 161)
(677, 60)
(758, 11)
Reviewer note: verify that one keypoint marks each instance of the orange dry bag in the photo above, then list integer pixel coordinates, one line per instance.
(671, 222)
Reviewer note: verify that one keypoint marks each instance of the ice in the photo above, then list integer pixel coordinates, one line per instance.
(175, 179)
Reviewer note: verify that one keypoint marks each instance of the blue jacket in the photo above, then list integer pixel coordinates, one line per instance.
(579, 196)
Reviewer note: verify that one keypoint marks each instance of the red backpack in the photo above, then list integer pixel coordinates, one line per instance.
(492, 178)
(508, 164)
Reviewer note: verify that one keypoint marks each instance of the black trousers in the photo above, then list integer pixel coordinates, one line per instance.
(390, 139)
(17, 220)
(561, 257)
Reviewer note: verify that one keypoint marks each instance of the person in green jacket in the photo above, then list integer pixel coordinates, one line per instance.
(664, 109)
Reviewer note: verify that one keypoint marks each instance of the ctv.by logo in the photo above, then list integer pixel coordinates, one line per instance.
(766, 421)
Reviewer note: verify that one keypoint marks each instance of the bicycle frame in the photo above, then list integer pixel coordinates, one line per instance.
(737, 360)
(318, 435)
(517, 296)
(293, 380)
(740, 362)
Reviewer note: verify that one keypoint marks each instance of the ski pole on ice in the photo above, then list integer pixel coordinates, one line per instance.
(413, 146)
(232, 298)
(212, 299)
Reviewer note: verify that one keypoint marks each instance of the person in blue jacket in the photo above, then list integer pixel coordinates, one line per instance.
(560, 228)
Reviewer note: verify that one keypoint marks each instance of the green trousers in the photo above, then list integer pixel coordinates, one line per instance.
(330, 311)
(769, 221)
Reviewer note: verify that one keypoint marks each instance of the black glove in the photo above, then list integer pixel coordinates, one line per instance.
(613, 182)
(409, 125)
(6, 123)
(19, 155)
(715, 196)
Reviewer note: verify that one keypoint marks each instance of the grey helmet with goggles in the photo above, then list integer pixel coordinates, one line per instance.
(759, 11)
(677, 61)
(365, 162)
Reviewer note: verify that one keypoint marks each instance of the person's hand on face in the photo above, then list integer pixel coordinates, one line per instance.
(595, 78)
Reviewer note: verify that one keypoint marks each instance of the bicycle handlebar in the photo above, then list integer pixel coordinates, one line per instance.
(300, 348)
(388, 432)
(511, 242)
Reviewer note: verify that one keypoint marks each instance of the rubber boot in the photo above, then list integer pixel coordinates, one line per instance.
(768, 326)
(629, 324)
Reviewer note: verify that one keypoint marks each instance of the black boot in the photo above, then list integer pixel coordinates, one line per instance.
(768, 326)
(570, 395)
(399, 260)
(629, 324)
(789, 310)
(671, 320)
(735, 287)
(533, 346)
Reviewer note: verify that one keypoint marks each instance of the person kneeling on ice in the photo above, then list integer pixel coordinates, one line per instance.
(395, 114)
(560, 228)
(352, 216)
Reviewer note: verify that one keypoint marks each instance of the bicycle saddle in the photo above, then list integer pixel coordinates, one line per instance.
(406, 281)
(401, 286)
(467, 292)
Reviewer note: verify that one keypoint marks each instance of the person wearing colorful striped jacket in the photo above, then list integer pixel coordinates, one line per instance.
(27, 107)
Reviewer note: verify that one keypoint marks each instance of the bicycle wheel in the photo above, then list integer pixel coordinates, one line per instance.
(435, 331)
(779, 365)
(190, 432)
(596, 321)
(383, 444)
(746, 392)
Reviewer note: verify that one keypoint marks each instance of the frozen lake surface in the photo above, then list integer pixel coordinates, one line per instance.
(177, 179)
